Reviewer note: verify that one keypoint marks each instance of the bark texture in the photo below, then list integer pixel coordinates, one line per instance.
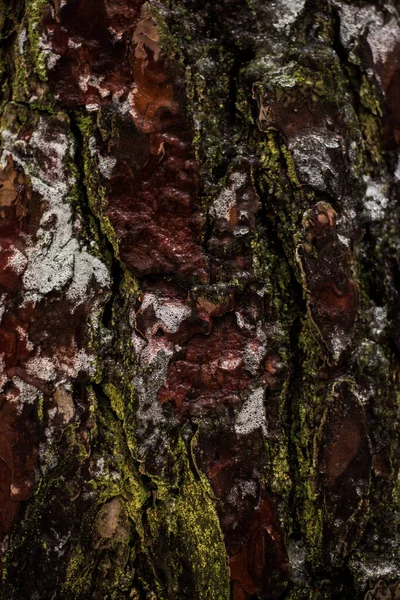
(200, 310)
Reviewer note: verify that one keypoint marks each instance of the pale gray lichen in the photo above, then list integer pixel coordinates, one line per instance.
(22, 39)
(58, 258)
(153, 356)
(314, 161)
(382, 29)
(227, 199)
(170, 313)
(252, 414)
(376, 198)
(286, 13)
(28, 394)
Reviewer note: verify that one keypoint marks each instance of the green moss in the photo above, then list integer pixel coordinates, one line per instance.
(4, 14)
(278, 476)
(121, 400)
(369, 97)
(40, 409)
(78, 578)
(190, 521)
(304, 592)
(243, 108)
(207, 113)
(167, 42)
(33, 11)
(95, 190)
(290, 167)
(286, 198)
(396, 491)
(119, 478)
(116, 399)
(281, 483)
(371, 128)
(308, 409)
(29, 83)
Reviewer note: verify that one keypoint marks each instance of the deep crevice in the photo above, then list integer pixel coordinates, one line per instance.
(116, 268)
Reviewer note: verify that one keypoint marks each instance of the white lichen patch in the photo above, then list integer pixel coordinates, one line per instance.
(2, 306)
(3, 373)
(22, 39)
(154, 348)
(254, 353)
(106, 163)
(354, 19)
(313, 160)
(382, 29)
(150, 416)
(241, 490)
(58, 259)
(297, 558)
(28, 394)
(344, 240)
(379, 567)
(376, 199)
(379, 325)
(337, 341)
(138, 343)
(55, 261)
(70, 365)
(230, 362)
(59, 545)
(153, 354)
(42, 367)
(47, 456)
(46, 47)
(87, 268)
(222, 206)
(396, 174)
(286, 13)
(252, 415)
(169, 313)
(17, 261)
(98, 468)
(73, 43)
(383, 36)
(242, 321)
(87, 80)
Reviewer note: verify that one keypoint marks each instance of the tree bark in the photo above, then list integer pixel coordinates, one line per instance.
(200, 310)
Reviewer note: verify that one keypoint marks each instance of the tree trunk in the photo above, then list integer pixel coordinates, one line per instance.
(200, 310)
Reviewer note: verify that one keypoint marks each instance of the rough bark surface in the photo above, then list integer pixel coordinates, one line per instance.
(200, 309)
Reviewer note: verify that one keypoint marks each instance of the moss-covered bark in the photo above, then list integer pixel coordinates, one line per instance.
(200, 311)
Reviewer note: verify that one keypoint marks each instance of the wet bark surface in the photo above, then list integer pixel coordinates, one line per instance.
(200, 309)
